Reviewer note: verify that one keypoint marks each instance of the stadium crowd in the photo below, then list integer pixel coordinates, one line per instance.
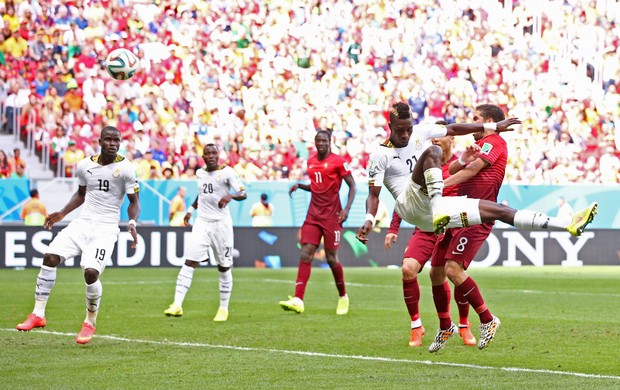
(260, 77)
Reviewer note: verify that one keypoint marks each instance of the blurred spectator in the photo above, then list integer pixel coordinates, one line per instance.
(33, 212)
(565, 211)
(72, 156)
(5, 166)
(262, 212)
(16, 160)
(178, 208)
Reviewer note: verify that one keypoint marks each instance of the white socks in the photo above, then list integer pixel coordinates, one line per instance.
(226, 284)
(45, 282)
(416, 324)
(93, 298)
(434, 186)
(184, 282)
(527, 219)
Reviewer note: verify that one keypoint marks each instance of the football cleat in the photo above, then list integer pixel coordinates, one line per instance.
(343, 306)
(33, 321)
(416, 336)
(221, 315)
(487, 332)
(467, 336)
(581, 219)
(442, 338)
(86, 333)
(174, 311)
(293, 304)
(440, 222)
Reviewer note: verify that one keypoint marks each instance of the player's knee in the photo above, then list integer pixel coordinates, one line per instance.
(453, 270)
(410, 268)
(437, 275)
(191, 263)
(330, 257)
(222, 269)
(91, 275)
(50, 260)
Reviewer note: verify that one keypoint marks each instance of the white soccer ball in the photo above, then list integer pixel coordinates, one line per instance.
(121, 64)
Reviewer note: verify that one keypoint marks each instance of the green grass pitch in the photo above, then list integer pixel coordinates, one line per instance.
(560, 330)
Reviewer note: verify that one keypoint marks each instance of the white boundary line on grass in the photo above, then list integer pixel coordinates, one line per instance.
(331, 355)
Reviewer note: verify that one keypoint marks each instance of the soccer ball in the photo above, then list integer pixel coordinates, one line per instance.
(121, 64)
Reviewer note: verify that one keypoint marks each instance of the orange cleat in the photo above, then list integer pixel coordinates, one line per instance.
(416, 336)
(33, 321)
(86, 333)
(467, 336)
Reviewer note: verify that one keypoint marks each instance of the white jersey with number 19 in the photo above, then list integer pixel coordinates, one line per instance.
(106, 187)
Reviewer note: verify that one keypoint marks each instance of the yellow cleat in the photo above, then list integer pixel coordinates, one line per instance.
(416, 337)
(221, 315)
(467, 336)
(174, 311)
(440, 222)
(294, 304)
(581, 219)
(343, 306)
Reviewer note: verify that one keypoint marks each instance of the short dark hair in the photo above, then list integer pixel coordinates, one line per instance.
(212, 145)
(34, 192)
(326, 132)
(491, 111)
(263, 196)
(400, 110)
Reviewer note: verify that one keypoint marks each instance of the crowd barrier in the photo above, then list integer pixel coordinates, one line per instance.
(279, 247)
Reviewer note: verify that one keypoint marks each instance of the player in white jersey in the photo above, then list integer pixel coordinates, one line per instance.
(104, 180)
(410, 167)
(212, 230)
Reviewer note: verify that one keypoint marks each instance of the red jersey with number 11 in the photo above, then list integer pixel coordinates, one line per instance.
(325, 180)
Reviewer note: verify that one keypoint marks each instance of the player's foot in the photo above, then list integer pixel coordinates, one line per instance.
(86, 333)
(293, 304)
(174, 311)
(443, 335)
(31, 322)
(440, 221)
(343, 306)
(467, 336)
(416, 336)
(581, 219)
(487, 332)
(221, 315)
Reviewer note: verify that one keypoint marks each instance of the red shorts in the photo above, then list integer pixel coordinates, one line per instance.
(329, 229)
(420, 246)
(461, 245)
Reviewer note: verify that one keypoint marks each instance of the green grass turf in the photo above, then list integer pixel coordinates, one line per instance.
(554, 320)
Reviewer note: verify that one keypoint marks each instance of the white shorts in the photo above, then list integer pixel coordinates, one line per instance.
(92, 240)
(414, 206)
(218, 235)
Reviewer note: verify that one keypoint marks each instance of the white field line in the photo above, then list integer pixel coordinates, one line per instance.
(395, 285)
(330, 355)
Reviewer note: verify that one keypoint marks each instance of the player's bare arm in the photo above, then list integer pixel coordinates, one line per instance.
(76, 201)
(344, 214)
(294, 187)
(469, 155)
(468, 128)
(133, 211)
(392, 236)
(188, 214)
(372, 205)
(241, 195)
(466, 173)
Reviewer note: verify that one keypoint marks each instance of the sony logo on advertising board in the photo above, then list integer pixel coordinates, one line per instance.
(163, 247)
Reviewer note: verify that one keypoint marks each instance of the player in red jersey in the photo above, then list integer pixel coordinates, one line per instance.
(479, 173)
(324, 220)
(419, 250)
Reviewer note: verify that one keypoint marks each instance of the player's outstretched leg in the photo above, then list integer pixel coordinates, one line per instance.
(582, 218)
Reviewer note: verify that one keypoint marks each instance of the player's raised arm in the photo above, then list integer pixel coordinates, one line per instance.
(76, 201)
(468, 128)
